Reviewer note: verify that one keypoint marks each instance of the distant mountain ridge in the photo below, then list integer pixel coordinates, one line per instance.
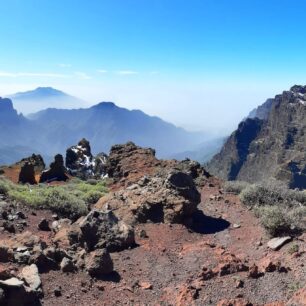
(52, 130)
(106, 124)
(43, 97)
(272, 146)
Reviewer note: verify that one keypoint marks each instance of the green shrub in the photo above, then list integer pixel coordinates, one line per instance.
(272, 193)
(5, 186)
(281, 210)
(93, 196)
(274, 220)
(235, 187)
(69, 200)
(65, 204)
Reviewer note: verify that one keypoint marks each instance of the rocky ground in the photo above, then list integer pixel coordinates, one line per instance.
(219, 256)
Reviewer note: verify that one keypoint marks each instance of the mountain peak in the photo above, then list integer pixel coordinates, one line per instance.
(39, 93)
(7, 110)
(298, 89)
(105, 105)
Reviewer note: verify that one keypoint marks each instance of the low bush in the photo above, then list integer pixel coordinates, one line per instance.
(281, 210)
(271, 193)
(93, 196)
(69, 200)
(235, 187)
(5, 186)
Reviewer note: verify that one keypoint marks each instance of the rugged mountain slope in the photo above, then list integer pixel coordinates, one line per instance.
(18, 135)
(273, 147)
(41, 98)
(262, 111)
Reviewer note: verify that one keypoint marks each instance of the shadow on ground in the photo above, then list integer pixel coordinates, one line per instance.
(112, 277)
(207, 225)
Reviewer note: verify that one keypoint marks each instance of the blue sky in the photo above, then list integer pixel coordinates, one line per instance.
(202, 64)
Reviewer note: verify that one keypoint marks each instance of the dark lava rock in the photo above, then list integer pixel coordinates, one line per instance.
(129, 159)
(56, 172)
(43, 225)
(36, 160)
(170, 197)
(81, 163)
(67, 265)
(99, 263)
(27, 174)
(102, 229)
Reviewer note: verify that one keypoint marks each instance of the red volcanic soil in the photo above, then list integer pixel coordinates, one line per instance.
(222, 260)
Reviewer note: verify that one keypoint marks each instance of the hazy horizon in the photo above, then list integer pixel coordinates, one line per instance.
(175, 60)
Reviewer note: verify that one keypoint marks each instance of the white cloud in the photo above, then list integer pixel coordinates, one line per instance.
(102, 71)
(62, 65)
(32, 74)
(126, 72)
(82, 75)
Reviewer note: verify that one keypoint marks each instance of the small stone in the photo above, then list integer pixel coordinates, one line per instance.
(143, 234)
(276, 243)
(43, 225)
(21, 249)
(12, 282)
(67, 265)
(236, 225)
(31, 276)
(9, 227)
(20, 215)
(58, 291)
(145, 285)
(253, 272)
(55, 217)
(22, 257)
(4, 253)
(239, 283)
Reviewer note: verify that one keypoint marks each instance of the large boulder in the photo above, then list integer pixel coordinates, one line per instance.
(99, 263)
(27, 174)
(170, 197)
(56, 172)
(29, 167)
(129, 162)
(36, 160)
(99, 229)
(102, 229)
(81, 163)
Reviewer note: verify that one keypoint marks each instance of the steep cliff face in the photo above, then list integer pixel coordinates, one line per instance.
(273, 147)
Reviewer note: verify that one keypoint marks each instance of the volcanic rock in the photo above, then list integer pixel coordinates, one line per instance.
(169, 197)
(131, 162)
(67, 265)
(99, 263)
(102, 229)
(81, 163)
(56, 172)
(278, 242)
(36, 160)
(27, 174)
(43, 225)
(31, 277)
